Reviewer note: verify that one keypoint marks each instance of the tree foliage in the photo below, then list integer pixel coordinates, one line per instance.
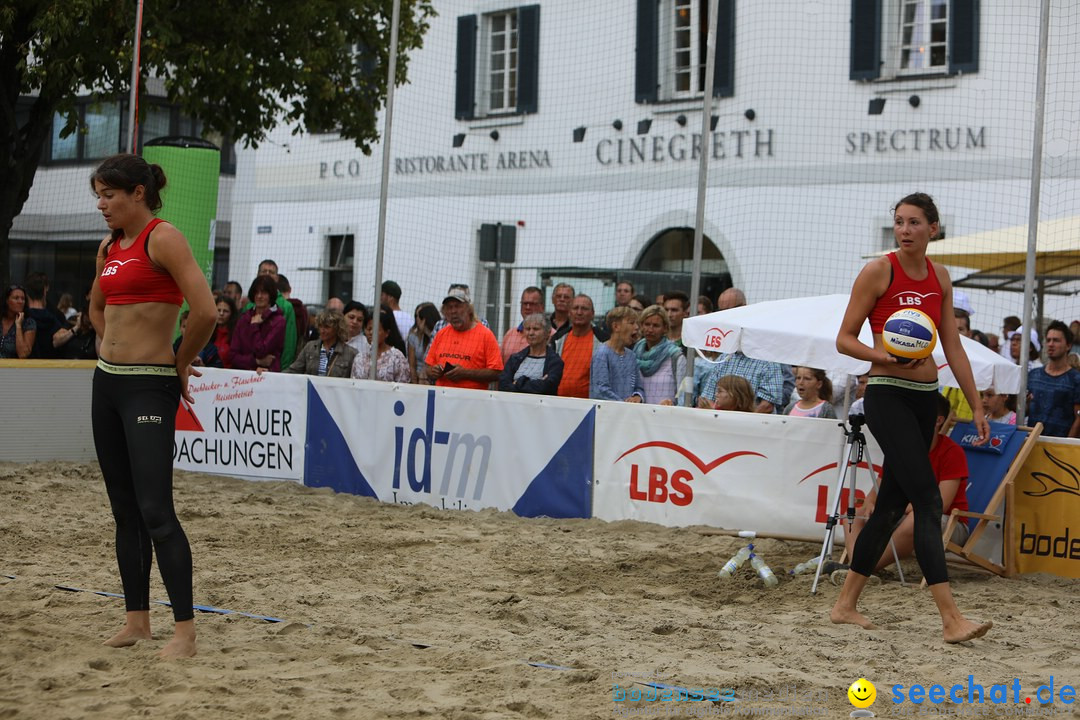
(240, 67)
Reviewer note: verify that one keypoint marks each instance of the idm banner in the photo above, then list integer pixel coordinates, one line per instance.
(460, 449)
(243, 424)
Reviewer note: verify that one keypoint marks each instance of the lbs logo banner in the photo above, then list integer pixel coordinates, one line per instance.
(678, 466)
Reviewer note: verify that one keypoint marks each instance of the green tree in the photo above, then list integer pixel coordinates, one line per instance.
(240, 67)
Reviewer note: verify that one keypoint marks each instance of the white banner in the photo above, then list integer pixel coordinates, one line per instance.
(451, 448)
(243, 424)
(740, 471)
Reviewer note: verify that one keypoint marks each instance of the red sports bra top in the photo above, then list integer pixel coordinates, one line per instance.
(130, 277)
(903, 292)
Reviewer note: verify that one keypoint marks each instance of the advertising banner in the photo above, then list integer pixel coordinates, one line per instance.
(243, 424)
(450, 448)
(740, 471)
(189, 201)
(1046, 516)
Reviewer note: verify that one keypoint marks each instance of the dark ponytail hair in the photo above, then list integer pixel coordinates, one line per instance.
(126, 172)
(388, 322)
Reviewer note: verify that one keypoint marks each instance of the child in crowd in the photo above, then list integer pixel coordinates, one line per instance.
(815, 394)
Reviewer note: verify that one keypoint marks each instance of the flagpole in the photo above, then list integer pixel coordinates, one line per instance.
(388, 123)
(133, 100)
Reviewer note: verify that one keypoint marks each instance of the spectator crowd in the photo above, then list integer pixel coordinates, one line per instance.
(632, 354)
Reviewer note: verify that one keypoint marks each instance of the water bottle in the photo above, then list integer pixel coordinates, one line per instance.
(763, 571)
(736, 562)
(807, 566)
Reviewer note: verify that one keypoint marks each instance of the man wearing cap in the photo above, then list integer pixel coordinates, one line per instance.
(465, 353)
(442, 320)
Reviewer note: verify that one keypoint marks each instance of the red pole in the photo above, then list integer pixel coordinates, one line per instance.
(133, 100)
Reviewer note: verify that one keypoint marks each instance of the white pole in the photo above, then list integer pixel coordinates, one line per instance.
(703, 179)
(1033, 207)
(388, 124)
(133, 99)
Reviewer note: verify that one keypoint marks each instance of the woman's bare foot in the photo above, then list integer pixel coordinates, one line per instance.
(127, 637)
(136, 628)
(182, 644)
(956, 628)
(845, 611)
(966, 630)
(841, 616)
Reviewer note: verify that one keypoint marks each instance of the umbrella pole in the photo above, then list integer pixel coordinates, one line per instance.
(1033, 206)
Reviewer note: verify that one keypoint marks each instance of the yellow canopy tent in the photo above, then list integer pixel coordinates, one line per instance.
(1000, 256)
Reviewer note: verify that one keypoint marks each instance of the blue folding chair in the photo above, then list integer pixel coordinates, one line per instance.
(992, 468)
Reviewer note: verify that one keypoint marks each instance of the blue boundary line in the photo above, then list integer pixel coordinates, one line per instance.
(548, 666)
(200, 608)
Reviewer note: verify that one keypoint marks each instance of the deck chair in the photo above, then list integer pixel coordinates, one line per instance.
(989, 491)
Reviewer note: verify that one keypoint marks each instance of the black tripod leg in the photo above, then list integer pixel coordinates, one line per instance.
(830, 523)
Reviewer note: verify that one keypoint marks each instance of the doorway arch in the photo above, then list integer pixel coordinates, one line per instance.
(667, 262)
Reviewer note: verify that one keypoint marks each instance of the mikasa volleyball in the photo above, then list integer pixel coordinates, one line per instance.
(909, 335)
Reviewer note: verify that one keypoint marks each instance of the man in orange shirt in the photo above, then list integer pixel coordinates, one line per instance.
(464, 353)
(576, 349)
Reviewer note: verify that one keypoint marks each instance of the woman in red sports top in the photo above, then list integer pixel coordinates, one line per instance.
(901, 410)
(145, 270)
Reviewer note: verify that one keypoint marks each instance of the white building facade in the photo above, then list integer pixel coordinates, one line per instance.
(577, 126)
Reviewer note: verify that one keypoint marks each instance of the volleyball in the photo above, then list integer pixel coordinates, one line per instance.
(909, 334)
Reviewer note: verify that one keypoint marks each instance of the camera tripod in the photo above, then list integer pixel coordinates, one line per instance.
(854, 453)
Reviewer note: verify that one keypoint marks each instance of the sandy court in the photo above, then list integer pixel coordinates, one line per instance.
(408, 612)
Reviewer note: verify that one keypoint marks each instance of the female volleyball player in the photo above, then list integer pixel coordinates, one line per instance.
(145, 270)
(901, 411)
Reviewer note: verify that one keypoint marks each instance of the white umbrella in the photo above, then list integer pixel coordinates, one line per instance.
(802, 331)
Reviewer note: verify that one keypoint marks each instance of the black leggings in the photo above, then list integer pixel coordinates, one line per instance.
(902, 421)
(134, 417)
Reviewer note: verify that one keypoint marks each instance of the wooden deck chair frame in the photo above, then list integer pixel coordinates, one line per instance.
(994, 513)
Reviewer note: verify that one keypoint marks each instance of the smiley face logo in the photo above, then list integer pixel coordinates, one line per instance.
(862, 693)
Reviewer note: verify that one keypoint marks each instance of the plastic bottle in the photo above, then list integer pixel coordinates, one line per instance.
(736, 562)
(763, 571)
(807, 566)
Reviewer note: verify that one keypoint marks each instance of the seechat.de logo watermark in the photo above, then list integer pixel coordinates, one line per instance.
(964, 699)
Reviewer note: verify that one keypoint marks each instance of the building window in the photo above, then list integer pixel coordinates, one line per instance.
(672, 44)
(688, 35)
(339, 273)
(102, 130)
(893, 39)
(924, 34)
(102, 135)
(502, 57)
(96, 135)
(63, 148)
(498, 54)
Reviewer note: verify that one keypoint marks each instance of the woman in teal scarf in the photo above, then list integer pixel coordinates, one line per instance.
(661, 362)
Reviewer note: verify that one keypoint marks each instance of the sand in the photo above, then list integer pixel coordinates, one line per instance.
(409, 612)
